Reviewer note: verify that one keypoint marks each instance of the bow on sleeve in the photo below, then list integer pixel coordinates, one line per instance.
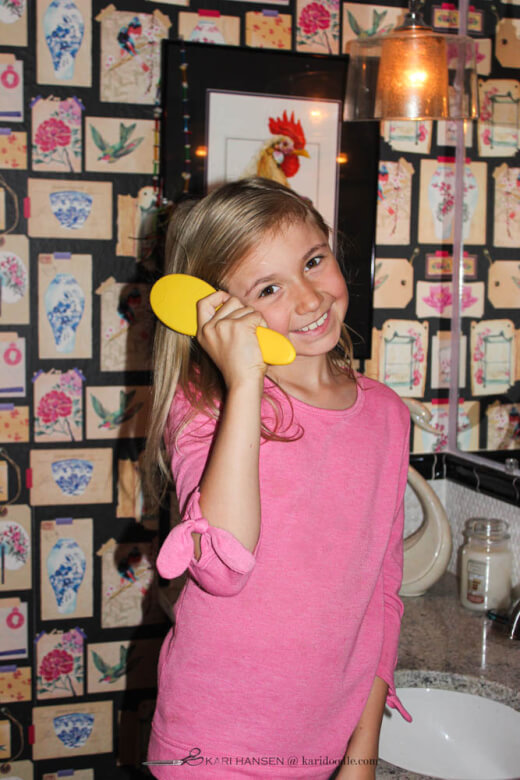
(177, 551)
(176, 554)
(392, 700)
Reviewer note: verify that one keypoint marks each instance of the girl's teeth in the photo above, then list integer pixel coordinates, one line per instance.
(316, 324)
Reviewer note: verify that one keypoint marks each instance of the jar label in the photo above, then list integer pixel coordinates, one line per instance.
(477, 577)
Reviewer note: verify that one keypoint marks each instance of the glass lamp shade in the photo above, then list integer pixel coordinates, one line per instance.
(411, 73)
(412, 81)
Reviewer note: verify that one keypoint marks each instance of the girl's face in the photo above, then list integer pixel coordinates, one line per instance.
(294, 280)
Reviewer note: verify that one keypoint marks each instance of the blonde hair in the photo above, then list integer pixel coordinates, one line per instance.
(208, 238)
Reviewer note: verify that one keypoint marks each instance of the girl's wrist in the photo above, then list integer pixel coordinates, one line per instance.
(250, 385)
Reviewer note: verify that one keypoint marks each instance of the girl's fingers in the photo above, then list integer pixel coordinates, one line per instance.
(207, 306)
(211, 310)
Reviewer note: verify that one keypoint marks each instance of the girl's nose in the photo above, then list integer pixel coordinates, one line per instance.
(308, 298)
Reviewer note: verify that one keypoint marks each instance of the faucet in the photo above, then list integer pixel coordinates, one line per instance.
(510, 619)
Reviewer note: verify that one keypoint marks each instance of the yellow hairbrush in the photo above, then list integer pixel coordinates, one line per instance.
(174, 298)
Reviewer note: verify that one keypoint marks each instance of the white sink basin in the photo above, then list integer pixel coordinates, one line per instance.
(453, 736)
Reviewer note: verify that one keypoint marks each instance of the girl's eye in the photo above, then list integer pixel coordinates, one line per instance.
(270, 290)
(314, 261)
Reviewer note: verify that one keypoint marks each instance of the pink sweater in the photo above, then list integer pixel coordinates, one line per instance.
(274, 653)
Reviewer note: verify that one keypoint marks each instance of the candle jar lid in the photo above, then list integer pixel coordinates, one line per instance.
(489, 529)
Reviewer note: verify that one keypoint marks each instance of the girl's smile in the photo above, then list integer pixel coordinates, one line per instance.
(292, 278)
(315, 325)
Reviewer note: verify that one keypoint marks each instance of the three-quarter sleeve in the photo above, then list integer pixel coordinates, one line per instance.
(392, 579)
(225, 564)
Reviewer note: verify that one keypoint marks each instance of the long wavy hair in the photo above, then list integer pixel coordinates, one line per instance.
(209, 238)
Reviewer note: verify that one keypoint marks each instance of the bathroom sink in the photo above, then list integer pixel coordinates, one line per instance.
(453, 736)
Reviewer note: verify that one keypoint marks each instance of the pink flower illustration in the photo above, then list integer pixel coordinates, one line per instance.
(314, 17)
(53, 405)
(55, 664)
(73, 641)
(51, 134)
(467, 298)
(439, 298)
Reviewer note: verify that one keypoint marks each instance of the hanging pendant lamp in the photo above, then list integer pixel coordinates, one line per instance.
(411, 72)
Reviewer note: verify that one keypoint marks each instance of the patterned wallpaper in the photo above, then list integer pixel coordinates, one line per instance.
(80, 624)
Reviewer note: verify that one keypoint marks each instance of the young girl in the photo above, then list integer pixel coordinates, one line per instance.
(290, 481)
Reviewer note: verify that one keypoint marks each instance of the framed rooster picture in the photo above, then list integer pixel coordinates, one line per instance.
(230, 112)
(294, 141)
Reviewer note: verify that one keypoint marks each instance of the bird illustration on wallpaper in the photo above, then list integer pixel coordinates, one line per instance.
(111, 420)
(64, 27)
(115, 146)
(110, 153)
(64, 305)
(126, 326)
(279, 157)
(128, 584)
(130, 54)
(376, 24)
(66, 565)
(361, 20)
(110, 673)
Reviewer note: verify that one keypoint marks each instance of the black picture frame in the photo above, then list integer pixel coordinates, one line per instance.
(268, 72)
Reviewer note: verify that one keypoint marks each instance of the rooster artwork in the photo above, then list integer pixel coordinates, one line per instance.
(279, 157)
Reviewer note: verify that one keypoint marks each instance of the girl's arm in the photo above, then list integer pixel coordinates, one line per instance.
(229, 491)
(363, 748)
(217, 482)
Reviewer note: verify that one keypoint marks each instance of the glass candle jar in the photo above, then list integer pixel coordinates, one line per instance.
(486, 562)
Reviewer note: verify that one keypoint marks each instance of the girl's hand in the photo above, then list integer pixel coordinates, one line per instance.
(227, 332)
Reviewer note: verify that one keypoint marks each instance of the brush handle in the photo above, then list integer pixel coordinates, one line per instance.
(276, 349)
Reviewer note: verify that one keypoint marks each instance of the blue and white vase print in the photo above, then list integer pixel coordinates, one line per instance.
(73, 729)
(72, 475)
(64, 303)
(63, 27)
(66, 565)
(71, 207)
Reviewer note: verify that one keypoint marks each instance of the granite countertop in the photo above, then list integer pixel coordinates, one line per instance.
(444, 645)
